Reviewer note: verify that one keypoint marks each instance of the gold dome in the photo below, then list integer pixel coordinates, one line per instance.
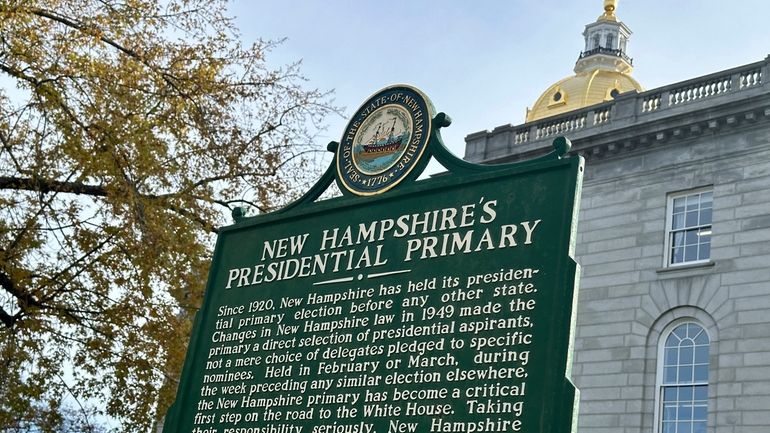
(602, 71)
(581, 90)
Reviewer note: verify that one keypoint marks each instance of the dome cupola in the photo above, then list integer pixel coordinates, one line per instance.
(603, 69)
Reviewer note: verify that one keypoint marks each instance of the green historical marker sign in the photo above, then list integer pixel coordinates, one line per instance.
(440, 305)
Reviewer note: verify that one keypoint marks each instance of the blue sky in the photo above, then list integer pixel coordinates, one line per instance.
(484, 62)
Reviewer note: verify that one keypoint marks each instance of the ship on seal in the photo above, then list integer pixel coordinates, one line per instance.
(384, 142)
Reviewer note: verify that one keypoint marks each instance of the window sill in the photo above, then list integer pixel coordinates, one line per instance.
(685, 270)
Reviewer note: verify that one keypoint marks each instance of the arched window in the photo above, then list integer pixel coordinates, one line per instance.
(610, 40)
(596, 41)
(683, 379)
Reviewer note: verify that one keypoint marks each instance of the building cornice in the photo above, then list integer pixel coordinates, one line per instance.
(707, 104)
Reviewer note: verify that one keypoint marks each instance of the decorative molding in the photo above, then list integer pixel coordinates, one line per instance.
(680, 111)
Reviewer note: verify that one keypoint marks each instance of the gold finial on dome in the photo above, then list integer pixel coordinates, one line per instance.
(609, 10)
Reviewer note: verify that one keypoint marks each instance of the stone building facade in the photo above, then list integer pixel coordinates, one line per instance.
(673, 327)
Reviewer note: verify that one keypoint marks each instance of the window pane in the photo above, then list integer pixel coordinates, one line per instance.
(686, 355)
(677, 221)
(691, 253)
(691, 219)
(693, 330)
(702, 338)
(691, 237)
(677, 255)
(671, 357)
(669, 427)
(679, 205)
(706, 199)
(678, 240)
(701, 392)
(693, 201)
(669, 394)
(701, 354)
(699, 413)
(705, 216)
(669, 412)
(699, 427)
(673, 341)
(685, 393)
(684, 427)
(681, 331)
(704, 251)
(670, 375)
(685, 374)
(701, 373)
(684, 412)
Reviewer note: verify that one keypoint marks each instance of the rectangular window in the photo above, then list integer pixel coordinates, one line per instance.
(688, 227)
(610, 41)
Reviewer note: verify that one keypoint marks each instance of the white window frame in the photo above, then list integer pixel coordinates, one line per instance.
(659, 385)
(669, 219)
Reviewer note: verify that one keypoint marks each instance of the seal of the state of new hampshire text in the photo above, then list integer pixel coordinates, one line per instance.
(384, 140)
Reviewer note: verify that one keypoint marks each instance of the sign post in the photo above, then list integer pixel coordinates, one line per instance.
(438, 305)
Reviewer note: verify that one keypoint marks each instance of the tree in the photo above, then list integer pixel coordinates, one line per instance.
(126, 128)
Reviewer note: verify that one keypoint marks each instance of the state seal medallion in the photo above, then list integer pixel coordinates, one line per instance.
(384, 141)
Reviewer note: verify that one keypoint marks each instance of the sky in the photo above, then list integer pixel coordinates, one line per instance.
(484, 61)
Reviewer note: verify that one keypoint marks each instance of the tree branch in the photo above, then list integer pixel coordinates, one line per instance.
(25, 299)
(47, 185)
(6, 318)
(92, 30)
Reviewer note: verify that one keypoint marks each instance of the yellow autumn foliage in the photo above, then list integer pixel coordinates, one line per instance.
(128, 131)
